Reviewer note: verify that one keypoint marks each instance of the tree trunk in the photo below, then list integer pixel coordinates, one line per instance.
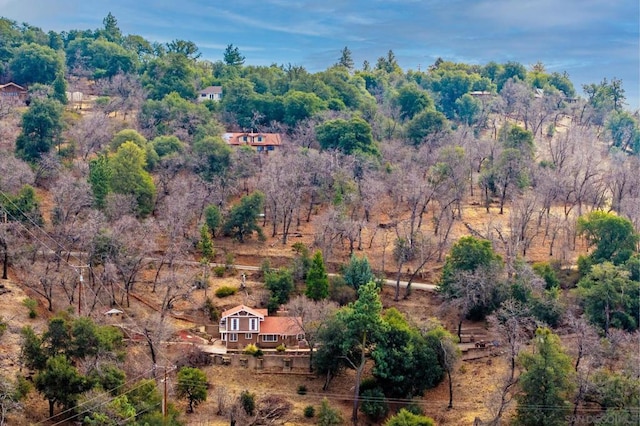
(450, 389)
(51, 402)
(397, 295)
(356, 392)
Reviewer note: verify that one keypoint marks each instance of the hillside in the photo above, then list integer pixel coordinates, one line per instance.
(124, 186)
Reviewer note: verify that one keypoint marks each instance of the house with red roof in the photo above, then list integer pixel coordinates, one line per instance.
(262, 142)
(242, 325)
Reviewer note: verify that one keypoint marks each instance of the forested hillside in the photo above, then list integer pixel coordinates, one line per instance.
(517, 196)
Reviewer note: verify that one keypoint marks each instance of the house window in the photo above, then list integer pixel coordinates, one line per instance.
(253, 324)
(300, 336)
(233, 337)
(259, 138)
(244, 139)
(269, 338)
(260, 148)
(270, 148)
(235, 324)
(248, 336)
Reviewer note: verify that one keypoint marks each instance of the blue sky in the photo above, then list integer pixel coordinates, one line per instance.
(590, 39)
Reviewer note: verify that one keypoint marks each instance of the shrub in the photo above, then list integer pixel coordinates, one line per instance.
(328, 416)
(309, 411)
(547, 272)
(248, 402)
(219, 271)
(374, 404)
(229, 261)
(302, 390)
(281, 348)
(3, 326)
(211, 310)
(31, 304)
(225, 291)
(340, 292)
(253, 350)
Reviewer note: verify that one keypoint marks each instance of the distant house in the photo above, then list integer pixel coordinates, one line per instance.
(262, 142)
(480, 94)
(211, 93)
(13, 91)
(242, 325)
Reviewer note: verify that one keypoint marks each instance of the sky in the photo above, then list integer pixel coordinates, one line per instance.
(589, 39)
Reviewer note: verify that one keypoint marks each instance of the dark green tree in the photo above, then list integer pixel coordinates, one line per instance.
(60, 383)
(610, 298)
(405, 363)
(60, 89)
(412, 100)
(33, 63)
(173, 72)
(300, 105)
(546, 384)
(358, 272)
(280, 284)
(213, 157)
(111, 30)
(242, 220)
(624, 130)
(41, 129)
(427, 126)
(348, 136)
(364, 329)
(346, 60)
(510, 70)
(613, 236)
(213, 218)
(167, 145)
(232, 56)
(192, 386)
(100, 179)
(185, 48)
(470, 278)
(317, 279)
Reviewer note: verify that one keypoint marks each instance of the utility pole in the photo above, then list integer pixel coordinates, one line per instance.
(165, 395)
(81, 280)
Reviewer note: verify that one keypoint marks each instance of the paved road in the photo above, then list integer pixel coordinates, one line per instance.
(390, 282)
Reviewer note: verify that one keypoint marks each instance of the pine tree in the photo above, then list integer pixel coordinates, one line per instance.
(205, 244)
(317, 279)
(546, 384)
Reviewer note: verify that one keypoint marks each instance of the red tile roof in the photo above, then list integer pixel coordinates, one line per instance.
(283, 326)
(255, 312)
(272, 139)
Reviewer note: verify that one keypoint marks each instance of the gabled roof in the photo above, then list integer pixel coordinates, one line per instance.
(273, 139)
(261, 313)
(211, 90)
(283, 326)
(10, 84)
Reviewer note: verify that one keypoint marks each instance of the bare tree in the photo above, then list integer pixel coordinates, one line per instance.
(8, 400)
(282, 185)
(515, 324)
(90, 134)
(312, 317)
